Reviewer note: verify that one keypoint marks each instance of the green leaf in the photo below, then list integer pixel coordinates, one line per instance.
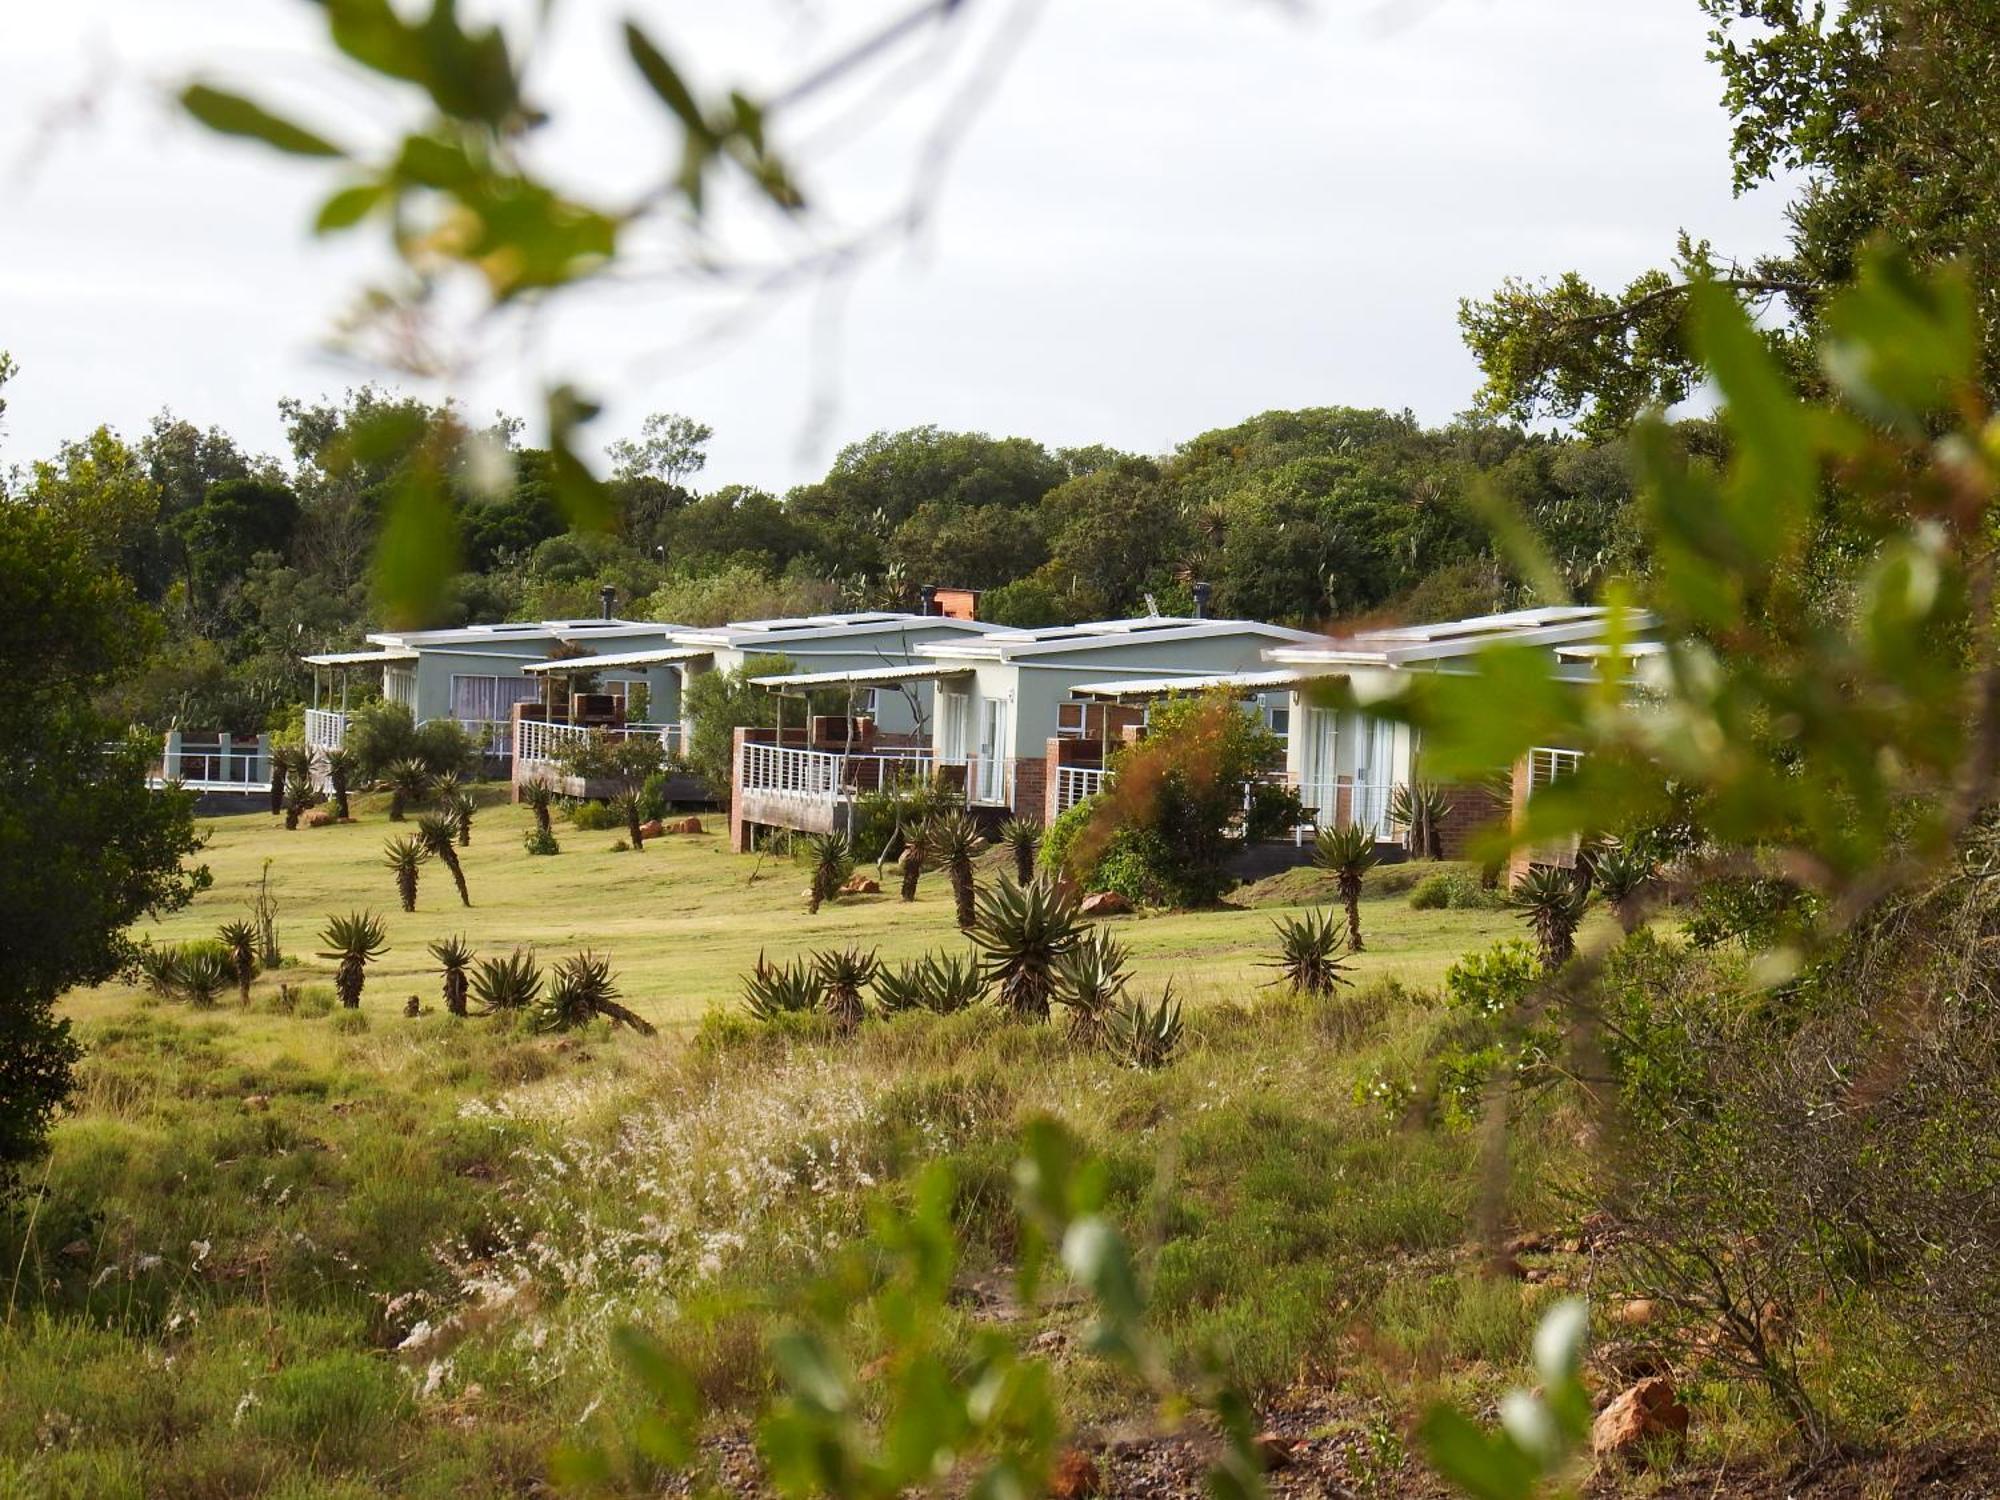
(417, 550)
(1774, 480)
(232, 114)
(664, 79)
(583, 497)
(1487, 1467)
(810, 1371)
(348, 207)
(1902, 345)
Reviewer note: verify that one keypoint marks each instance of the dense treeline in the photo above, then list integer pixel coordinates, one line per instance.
(1307, 517)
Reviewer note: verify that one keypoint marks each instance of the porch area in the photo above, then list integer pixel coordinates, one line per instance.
(808, 781)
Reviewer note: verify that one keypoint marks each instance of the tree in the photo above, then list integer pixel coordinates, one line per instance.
(1884, 112)
(717, 704)
(671, 448)
(86, 848)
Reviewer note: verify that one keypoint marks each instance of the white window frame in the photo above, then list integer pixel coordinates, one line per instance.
(1080, 728)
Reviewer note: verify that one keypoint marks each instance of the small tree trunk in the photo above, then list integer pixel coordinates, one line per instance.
(245, 972)
(542, 818)
(962, 892)
(406, 888)
(396, 805)
(454, 992)
(277, 786)
(625, 1016)
(1350, 894)
(450, 857)
(465, 825)
(913, 868)
(339, 795)
(347, 983)
(632, 828)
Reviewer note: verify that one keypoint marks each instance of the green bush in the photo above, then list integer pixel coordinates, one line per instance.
(540, 841)
(594, 817)
(336, 1406)
(349, 1022)
(1494, 982)
(1455, 890)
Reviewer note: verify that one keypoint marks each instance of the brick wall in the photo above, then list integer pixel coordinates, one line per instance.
(1031, 790)
(1475, 807)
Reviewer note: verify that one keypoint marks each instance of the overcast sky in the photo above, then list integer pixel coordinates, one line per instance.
(1169, 215)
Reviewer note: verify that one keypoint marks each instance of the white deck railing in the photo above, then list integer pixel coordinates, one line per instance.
(325, 729)
(213, 766)
(824, 776)
(1075, 783)
(544, 743)
(1336, 803)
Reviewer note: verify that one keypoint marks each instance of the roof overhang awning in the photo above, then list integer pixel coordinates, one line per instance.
(357, 658)
(862, 676)
(572, 664)
(1139, 688)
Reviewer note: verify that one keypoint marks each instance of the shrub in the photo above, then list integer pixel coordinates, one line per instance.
(381, 733)
(1090, 984)
(334, 1406)
(1274, 811)
(507, 984)
(593, 817)
(1492, 983)
(1148, 1036)
(843, 974)
(1551, 900)
(540, 841)
(1454, 890)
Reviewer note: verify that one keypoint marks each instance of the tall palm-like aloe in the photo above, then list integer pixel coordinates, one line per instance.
(284, 759)
(953, 841)
(355, 939)
(340, 768)
(240, 938)
(434, 832)
(1623, 874)
(540, 795)
(583, 991)
(462, 807)
(1419, 809)
(1350, 853)
(832, 862)
(205, 971)
(843, 974)
(630, 806)
(299, 792)
(1552, 900)
(405, 856)
(1023, 840)
(409, 781)
(910, 864)
(1026, 932)
(454, 958)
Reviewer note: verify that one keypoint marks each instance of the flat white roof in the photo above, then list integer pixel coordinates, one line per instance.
(1558, 627)
(800, 627)
(860, 676)
(356, 658)
(1156, 687)
(619, 659)
(512, 630)
(1002, 645)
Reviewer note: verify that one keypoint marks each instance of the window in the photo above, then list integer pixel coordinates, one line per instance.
(1547, 765)
(1072, 719)
(480, 699)
(1278, 717)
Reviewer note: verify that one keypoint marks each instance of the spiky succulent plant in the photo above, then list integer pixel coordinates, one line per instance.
(506, 984)
(405, 856)
(435, 831)
(843, 974)
(1551, 901)
(356, 940)
(240, 938)
(454, 957)
(583, 990)
(772, 990)
(1023, 840)
(1309, 954)
(952, 841)
(1024, 933)
(1349, 852)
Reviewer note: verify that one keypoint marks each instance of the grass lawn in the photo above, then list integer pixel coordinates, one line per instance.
(684, 918)
(320, 1253)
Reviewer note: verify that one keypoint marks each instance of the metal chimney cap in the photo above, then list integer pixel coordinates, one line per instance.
(605, 597)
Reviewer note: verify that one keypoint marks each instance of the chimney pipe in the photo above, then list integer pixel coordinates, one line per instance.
(1201, 592)
(927, 597)
(604, 597)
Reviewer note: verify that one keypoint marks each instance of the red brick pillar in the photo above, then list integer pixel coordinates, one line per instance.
(739, 831)
(1031, 789)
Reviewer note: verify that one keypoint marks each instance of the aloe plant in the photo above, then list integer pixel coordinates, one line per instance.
(506, 984)
(953, 841)
(843, 974)
(462, 807)
(1309, 949)
(1419, 809)
(340, 768)
(299, 795)
(1025, 932)
(832, 859)
(1552, 902)
(1023, 840)
(405, 855)
(356, 940)
(1623, 874)
(1148, 1036)
(910, 865)
(630, 806)
(1350, 853)
(772, 990)
(284, 758)
(1091, 980)
(435, 831)
(240, 938)
(454, 957)
(540, 795)
(205, 971)
(409, 780)
(583, 991)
